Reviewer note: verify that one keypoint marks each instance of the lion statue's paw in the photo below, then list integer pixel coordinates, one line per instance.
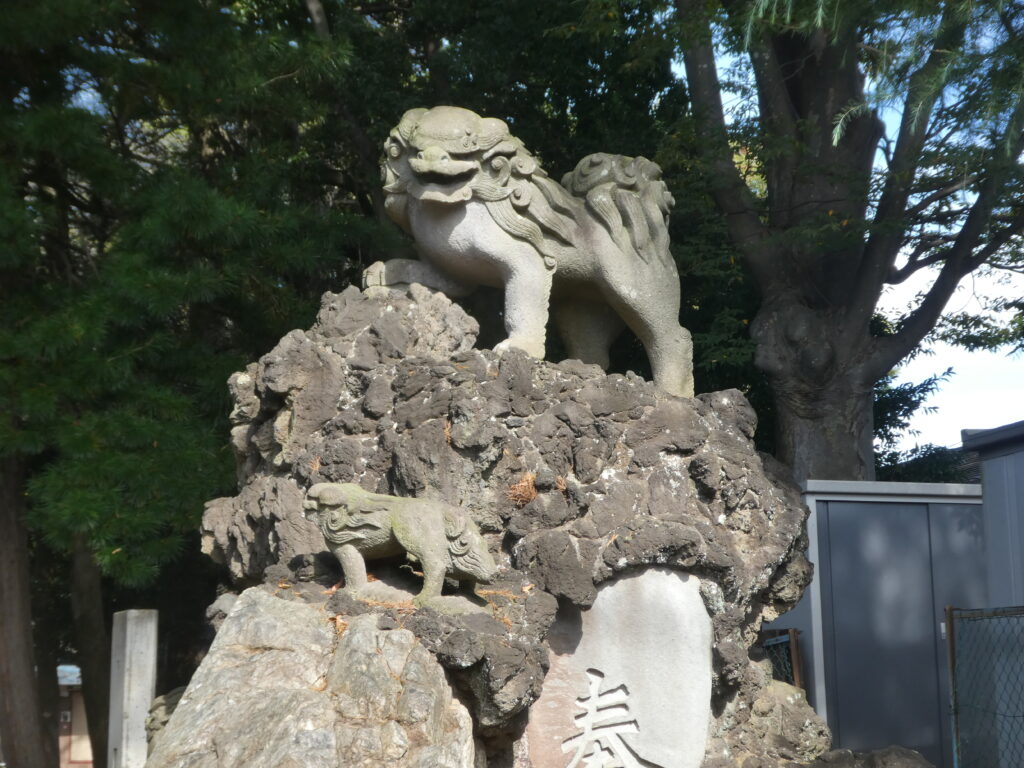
(373, 275)
(375, 284)
(532, 347)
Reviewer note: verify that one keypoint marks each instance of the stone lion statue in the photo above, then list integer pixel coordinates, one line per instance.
(596, 248)
(359, 525)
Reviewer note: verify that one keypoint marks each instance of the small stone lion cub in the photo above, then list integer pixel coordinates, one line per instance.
(359, 525)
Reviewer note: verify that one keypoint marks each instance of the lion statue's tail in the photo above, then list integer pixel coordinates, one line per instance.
(627, 195)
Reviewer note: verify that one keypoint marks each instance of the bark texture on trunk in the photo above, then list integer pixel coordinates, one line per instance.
(827, 437)
(25, 738)
(49, 688)
(93, 641)
(823, 391)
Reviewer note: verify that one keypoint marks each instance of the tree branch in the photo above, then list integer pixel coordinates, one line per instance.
(727, 185)
(1001, 238)
(962, 256)
(939, 194)
(887, 232)
(778, 113)
(773, 95)
(915, 263)
(319, 18)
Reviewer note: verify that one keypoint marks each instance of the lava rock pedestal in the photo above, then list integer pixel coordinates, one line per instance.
(641, 542)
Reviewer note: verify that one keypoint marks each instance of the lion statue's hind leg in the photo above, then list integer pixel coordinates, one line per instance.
(587, 328)
(628, 206)
(671, 351)
(654, 318)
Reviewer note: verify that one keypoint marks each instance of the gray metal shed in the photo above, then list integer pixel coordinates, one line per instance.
(1002, 476)
(889, 557)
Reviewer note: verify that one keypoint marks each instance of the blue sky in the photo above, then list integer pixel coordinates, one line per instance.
(986, 389)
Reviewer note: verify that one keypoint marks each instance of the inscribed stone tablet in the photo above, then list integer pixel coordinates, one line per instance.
(630, 678)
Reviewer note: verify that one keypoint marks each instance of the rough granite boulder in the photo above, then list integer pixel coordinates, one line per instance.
(283, 685)
(573, 476)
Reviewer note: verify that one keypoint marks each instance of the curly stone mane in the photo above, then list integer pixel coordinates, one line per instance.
(527, 204)
(516, 191)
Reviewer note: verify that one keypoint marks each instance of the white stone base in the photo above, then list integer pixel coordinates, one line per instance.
(644, 649)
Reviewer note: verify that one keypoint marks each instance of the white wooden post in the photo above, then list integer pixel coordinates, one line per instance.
(132, 686)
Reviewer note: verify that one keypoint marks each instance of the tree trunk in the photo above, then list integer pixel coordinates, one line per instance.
(24, 738)
(822, 386)
(49, 687)
(93, 641)
(827, 437)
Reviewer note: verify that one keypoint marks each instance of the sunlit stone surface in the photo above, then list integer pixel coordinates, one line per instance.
(644, 650)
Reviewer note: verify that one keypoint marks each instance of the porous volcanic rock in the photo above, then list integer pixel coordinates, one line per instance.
(572, 475)
(890, 757)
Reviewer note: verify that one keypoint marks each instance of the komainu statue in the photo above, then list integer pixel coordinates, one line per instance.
(596, 248)
(359, 525)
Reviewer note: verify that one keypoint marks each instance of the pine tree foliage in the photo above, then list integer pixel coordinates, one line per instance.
(161, 235)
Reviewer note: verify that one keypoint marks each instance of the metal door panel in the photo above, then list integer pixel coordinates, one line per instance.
(879, 625)
(958, 579)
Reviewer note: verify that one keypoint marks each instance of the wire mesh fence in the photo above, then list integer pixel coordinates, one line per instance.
(782, 647)
(986, 653)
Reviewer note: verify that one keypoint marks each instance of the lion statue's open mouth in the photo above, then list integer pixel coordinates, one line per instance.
(445, 181)
(443, 184)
